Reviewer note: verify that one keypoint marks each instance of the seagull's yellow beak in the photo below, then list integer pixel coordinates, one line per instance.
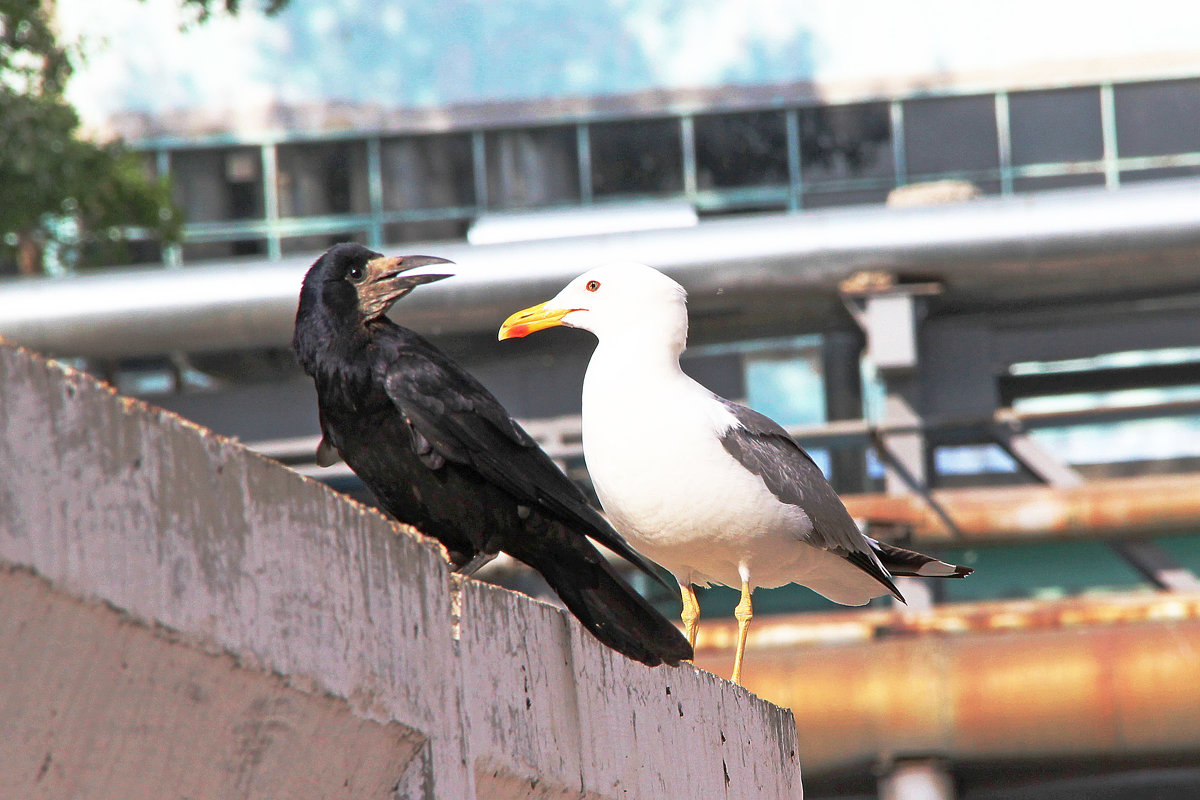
(534, 318)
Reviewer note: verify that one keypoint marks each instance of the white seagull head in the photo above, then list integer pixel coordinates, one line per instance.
(622, 301)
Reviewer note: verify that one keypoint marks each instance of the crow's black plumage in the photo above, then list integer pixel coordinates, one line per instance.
(439, 451)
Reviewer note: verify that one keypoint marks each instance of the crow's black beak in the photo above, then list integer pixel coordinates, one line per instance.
(386, 282)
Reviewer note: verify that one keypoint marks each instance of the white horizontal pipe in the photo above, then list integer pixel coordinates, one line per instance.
(992, 250)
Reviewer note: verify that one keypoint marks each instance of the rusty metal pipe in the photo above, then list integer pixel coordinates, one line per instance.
(1109, 508)
(1085, 678)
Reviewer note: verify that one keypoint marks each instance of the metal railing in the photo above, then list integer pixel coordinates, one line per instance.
(562, 439)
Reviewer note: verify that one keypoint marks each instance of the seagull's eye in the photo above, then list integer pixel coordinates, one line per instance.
(592, 286)
(356, 274)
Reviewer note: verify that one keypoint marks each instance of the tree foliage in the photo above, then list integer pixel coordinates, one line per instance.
(66, 201)
(205, 8)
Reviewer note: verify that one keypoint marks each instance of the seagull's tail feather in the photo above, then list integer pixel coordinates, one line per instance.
(898, 561)
(601, 599)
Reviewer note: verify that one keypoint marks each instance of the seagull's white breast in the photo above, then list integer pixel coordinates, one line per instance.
(653, 449)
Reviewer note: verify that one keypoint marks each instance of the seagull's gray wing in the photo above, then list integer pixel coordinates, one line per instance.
(760, 445)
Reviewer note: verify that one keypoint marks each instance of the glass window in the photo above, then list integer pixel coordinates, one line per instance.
(217, 185)
(1112, 380)
(212, 251)
(830, 199)
(1155, 119)
(839, 143)
(1140, 175)
(322, 178)
(1037, 184)
(1053, 126)
(720, 370)
(319, 242)
(426, 230)
(741, 150)
(427, 172)
(950, 134)
(971, 460)
(636, 157)
(534, 167)
(788, 385)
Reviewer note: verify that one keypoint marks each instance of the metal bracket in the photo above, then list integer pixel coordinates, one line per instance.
(1157, 565)
(1144, 555)
(1012, 435)
(916, 486)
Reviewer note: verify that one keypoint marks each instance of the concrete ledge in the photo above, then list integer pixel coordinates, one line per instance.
(99, 701)
(326, 608)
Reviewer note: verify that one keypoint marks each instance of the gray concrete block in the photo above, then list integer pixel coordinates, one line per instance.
(113, 501)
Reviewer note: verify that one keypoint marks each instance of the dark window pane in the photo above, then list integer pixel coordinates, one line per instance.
(845, 142)
(1056, 182)
(218, 185)
(950, 134)
(429, 230)
(636, 157)
(1155, 119)
(741, 150)
(987, 187)
(427, 172)
(319, 242)
(737, 207)
(211, 251)
(844, 198)
(1059, 125)
(1141, 175)
(534, 167)
(327, 178)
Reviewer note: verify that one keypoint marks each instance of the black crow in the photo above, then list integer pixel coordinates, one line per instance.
(439, 451)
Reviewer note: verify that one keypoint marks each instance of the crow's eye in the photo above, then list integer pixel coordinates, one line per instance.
(592, 286)
(356, 274)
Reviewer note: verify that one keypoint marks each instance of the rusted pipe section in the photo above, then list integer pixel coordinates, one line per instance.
(1109, 508)
(1081, 679)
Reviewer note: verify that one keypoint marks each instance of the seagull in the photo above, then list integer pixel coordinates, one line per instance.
(711, 490)
(439, 452)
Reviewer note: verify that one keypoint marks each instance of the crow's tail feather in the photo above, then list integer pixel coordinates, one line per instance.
(601, 599)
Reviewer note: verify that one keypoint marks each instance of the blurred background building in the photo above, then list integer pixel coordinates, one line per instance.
(955, 246)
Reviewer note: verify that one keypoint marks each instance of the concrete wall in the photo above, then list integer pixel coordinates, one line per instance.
(181, 617)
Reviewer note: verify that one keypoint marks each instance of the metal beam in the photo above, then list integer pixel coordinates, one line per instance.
(1014, 437)
(1117, 508)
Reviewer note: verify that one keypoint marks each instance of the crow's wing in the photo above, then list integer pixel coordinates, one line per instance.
(454, 418)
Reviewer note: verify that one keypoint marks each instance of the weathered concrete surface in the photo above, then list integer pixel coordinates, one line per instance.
(110, 500)
(113, 718)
